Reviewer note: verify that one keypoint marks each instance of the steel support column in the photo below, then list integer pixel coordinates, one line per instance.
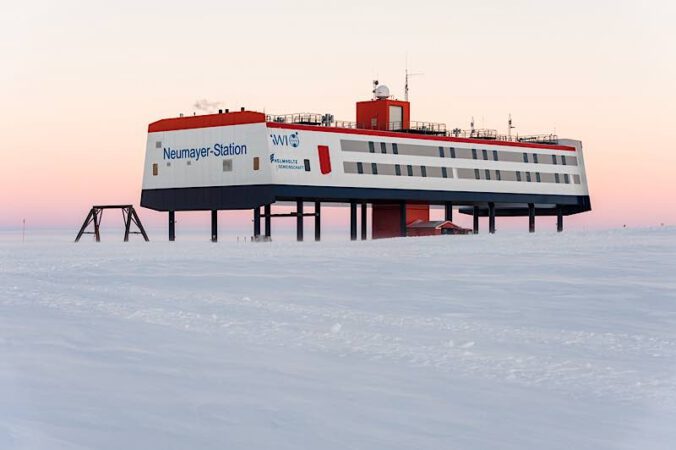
(214, 225)
(268, 220)
(257, 222)
(318, 221)
(403, 224)
(172, 226)
(559, 219)
(491, 218)
(475, 220)
(448, 211)
(353, 220)
(531, 218)
(363, 221)
(299, 220)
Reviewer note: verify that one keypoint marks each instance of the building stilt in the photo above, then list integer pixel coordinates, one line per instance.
(448, 211)
(268, 221)
(299, 220)
(403, 225)
(475, 219)
(559, 219)
(363, 221)
(214, 225)
(257, 223)
(172, 226)
(353, 220)
(491, 218)
(531, 218)
(318, 221)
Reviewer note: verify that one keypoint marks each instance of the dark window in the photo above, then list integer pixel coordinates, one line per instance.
(360, 168)
(395, 149)
(397, 170)
(537, 177)
(488, 174)
(372, 147)
(525, 157)
(444, 173)
(556, 178)
(473, 153)
(518, 175)
(476, 174)
(383, 147)
(495, 155)
(307, 164)
(535, 158)
(452, 152)
(566, 178)
(257, 163)
(484, 153)
(409, 170)
(423, 171)
(563, 159)
(528, 177)
(498, 176)
(374, 168)
(554, 159)
(441, 152)
(155, 169)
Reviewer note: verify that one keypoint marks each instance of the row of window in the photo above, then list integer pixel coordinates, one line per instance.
(393, 148)
(462, 173)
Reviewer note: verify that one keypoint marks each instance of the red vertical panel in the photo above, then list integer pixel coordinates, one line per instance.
(324, 159)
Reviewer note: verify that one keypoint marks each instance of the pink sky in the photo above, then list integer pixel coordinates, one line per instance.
(81, 81)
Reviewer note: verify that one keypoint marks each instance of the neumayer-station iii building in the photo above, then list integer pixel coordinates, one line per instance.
(247, 160)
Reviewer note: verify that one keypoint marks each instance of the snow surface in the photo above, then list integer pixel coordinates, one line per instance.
(511, 341)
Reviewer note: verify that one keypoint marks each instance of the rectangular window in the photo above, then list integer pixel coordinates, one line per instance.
(372, 148)
(155, 169)
(383, 147)
(525, 157)
(537, 177)
(554, 159)
(452, 152)
(397, 170)
(360, 168)
(227, 165)
(577, 179)
(441, 152)
(395, 149)
(488, 174)
(423, 171)
(566, 178)
(528, 179)
(495, 155)
(498, 176)
(535, 158)
(476, 174)
(484, 153)
(409, 170)
(444, 174)
(518, 175)
(473, 153)
(257, 163)
(158, 144)
(563, 159)
(324, 159)
(556, 178)
(374, 168)
(306, 162)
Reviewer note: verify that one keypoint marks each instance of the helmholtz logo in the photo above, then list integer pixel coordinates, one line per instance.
(286, 140)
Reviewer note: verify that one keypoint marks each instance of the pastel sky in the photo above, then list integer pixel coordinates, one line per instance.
(81, 80)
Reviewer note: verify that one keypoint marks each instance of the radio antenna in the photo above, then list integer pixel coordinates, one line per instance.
(407, 77)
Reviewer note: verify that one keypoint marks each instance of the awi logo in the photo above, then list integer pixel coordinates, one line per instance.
(286, 140)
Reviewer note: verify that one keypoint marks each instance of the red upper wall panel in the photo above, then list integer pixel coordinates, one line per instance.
(206, 121)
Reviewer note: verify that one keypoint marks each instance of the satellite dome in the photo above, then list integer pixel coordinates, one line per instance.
(382, 92)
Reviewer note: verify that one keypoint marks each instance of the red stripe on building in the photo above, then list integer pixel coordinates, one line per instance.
(206, 121)
(401, 135)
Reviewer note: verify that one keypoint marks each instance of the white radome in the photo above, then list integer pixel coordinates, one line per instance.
(382, 92)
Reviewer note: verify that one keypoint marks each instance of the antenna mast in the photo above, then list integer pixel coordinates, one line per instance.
(406, 80)
(510, 127)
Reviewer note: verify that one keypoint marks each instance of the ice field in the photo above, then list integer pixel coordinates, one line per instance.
(510, 341)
